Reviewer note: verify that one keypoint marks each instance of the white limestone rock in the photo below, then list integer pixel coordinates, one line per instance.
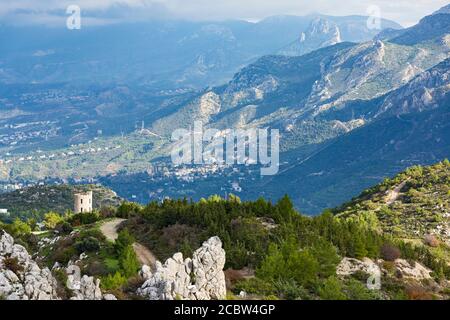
(145, 272)
(417, 271)
(29, 283)
(349, 266)
(85, 287)
(199, 278)
(403, 269)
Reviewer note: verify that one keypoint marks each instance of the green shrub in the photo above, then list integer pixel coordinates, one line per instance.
(84, 218)
(290, 290)
(61, 279)
(332, 289)
(112, 265)
(123, 240)
(89, 244)
(19, 228)
(52, 219)
(128, 262)
(128, 209)
(113, 282)
(256, 286)
(64, 228)
(288, 262)
(358, 291)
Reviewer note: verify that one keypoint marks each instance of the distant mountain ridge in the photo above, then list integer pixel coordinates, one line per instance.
(281, 91)
(349, 114)
(169, 53)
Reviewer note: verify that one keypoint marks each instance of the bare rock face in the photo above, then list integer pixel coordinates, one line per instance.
(199, 278)
(85, 287)
(403, 269)
(27, 281)
(406, 270)
(320, 33)
(208, 263)
(89, 289)
(349, 266)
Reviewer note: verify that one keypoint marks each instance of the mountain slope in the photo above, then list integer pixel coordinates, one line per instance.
(320, 33)
(285, 92)
(413, 204)
(167, 53)
(407, 129)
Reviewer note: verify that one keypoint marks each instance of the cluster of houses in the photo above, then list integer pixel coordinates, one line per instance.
(54, 156)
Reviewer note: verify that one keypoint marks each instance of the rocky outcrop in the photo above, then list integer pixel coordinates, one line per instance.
(321, 33)
(415, 271)
(427, 91)
(85, 287)
(20, 276)
(401, 268)
(349, 266)
(199, 278)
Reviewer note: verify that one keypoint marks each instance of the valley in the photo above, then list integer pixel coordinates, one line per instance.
(111, 139)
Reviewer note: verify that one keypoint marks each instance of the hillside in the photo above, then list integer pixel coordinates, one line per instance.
(35, 201)
(412, 205)
(397, 231)
(408, 129)
(287, 92)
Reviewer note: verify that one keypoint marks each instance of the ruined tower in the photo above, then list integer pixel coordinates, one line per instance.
(83, 202)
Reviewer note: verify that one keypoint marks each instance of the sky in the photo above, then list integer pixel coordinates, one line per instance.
(405, 12)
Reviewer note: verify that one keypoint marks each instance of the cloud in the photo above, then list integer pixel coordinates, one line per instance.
(405, 12)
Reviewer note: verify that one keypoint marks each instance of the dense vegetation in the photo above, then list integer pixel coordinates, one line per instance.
(272, 250)
(293, 256)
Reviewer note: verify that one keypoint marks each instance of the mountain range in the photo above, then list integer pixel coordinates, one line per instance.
(352, 106)
(168, 54)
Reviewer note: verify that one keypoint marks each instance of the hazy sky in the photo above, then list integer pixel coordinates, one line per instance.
(405, 12)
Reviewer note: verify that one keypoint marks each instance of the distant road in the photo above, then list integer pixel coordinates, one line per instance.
(144, 255)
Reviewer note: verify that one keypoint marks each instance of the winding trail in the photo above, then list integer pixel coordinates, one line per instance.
(109, 229)
(393, 195)
(144, 255)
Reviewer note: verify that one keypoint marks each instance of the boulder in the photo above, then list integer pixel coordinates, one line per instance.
(85, 287)
(349, 266)
(199, 278)
(417, 271)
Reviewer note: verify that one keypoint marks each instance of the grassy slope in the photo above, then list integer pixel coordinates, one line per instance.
(410, 206)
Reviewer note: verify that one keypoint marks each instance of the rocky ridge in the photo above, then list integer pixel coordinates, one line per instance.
(199, 278)
(20, 276)
(402, 268)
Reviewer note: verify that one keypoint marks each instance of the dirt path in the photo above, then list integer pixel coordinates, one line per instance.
(144, 255)
(109, 229)
(393, 195)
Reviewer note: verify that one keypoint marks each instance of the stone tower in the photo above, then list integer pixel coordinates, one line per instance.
(83, 202)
